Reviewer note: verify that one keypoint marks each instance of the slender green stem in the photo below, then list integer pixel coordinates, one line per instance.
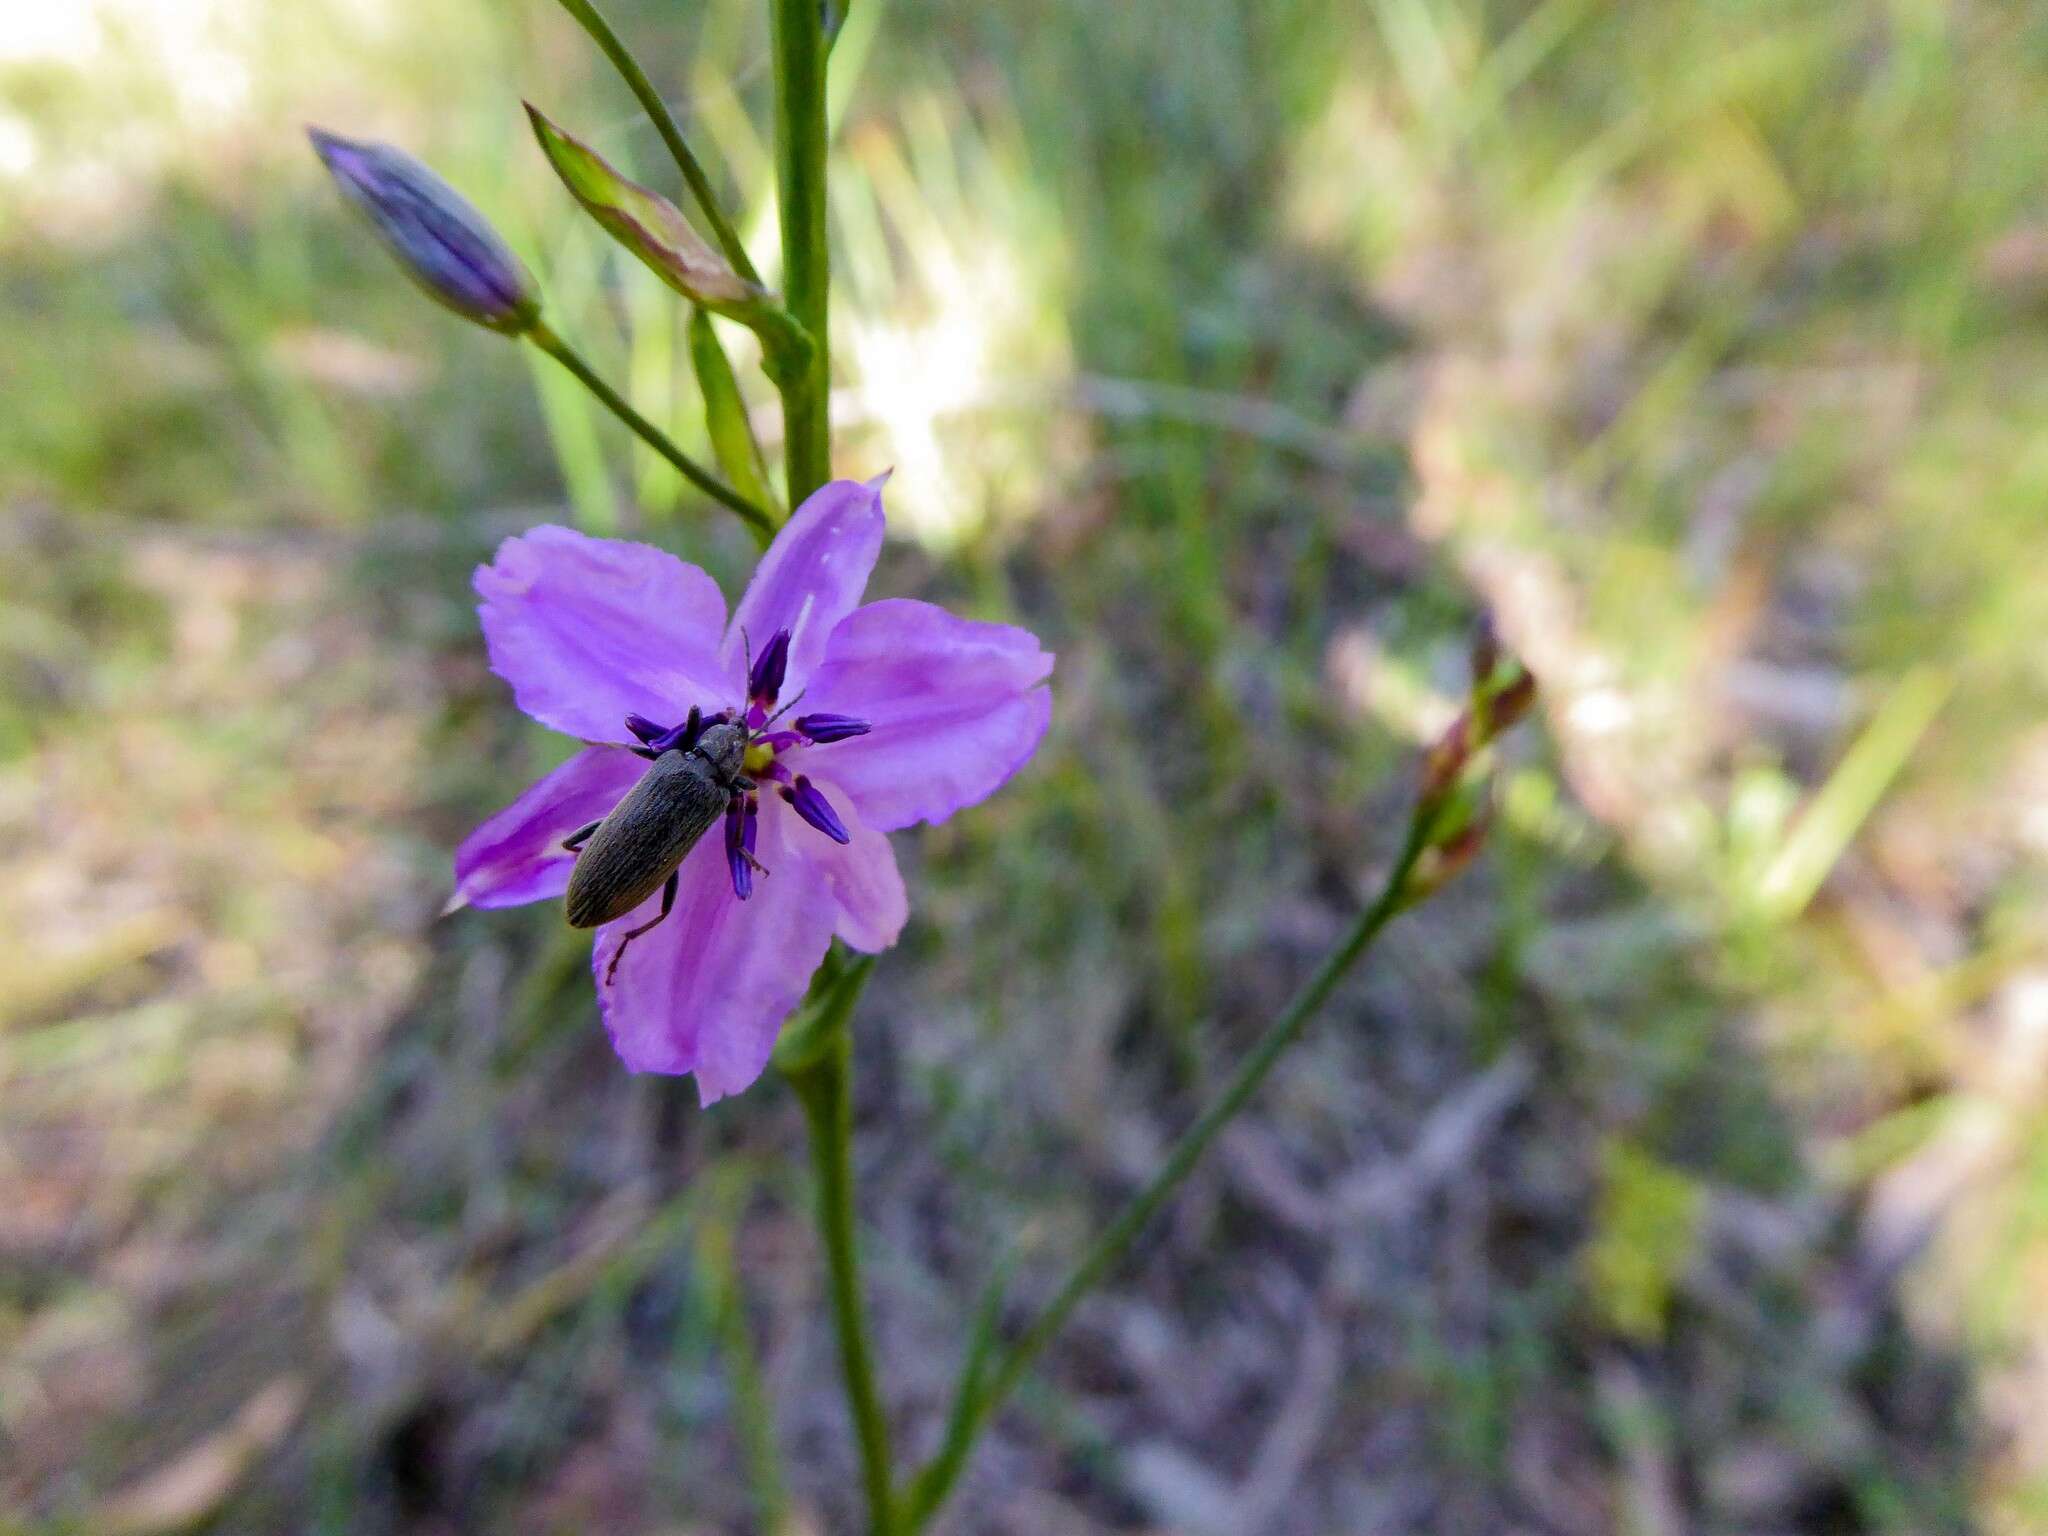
(800, 136)
(757, 519)
(592, 21)
(985, 1395)
(825, 1087)
(822, 1077)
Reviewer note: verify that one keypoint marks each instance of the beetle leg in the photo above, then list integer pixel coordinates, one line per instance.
(581, 835)
(668, 902)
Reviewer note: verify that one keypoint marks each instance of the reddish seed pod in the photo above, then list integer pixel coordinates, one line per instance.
(1513, 701)
(1446, 759)
(1485, 650)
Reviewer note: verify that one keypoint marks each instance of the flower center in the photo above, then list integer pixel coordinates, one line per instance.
(766, 674)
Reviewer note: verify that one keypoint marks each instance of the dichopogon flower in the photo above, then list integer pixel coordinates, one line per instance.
(894, 712)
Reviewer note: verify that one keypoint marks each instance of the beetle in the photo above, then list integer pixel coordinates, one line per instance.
(640, 845)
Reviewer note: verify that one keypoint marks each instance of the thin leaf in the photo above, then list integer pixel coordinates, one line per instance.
(938, 1474)
(725, 414)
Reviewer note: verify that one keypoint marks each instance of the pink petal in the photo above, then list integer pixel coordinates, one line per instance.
(958, 706)
(517, 856)
(811, 578)
(589, 630)
(861, 875)
(707, 991)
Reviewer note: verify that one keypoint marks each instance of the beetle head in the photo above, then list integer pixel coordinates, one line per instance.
(723, 745)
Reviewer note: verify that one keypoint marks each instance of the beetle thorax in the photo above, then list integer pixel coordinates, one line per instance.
(723, 746)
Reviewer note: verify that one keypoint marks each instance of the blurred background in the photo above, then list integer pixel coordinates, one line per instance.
(1683, 1169)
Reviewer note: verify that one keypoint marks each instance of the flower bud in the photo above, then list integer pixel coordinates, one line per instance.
(645, 223)
(655, 231)
(440, 240)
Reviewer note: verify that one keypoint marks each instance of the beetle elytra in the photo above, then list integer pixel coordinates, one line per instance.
(639, 846)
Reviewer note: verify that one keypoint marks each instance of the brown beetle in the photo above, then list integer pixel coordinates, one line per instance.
(640, 846)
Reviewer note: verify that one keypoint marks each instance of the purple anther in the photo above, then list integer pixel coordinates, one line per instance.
(742, 825)
(770, 667)
(828, 728)
(816, 809)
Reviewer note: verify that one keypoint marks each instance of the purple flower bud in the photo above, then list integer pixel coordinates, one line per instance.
(770, 667)
(440, 240)
(742, 824)
(816, 809)
(828, 728)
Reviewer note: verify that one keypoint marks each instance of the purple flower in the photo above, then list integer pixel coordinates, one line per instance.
(911, 714)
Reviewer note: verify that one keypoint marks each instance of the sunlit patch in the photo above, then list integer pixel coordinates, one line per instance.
(953, 325)
(129, 92)
(18, 148)
(1388, 688)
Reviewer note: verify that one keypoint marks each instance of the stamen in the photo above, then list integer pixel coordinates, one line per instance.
(742, 824)
(770, 667)
(667, 738)
(816, 809)
(829, 728)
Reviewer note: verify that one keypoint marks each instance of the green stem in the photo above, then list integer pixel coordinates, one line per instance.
(825, 1088)
(984, 1396)
(601, 33)
(800, 137)
(544, 338)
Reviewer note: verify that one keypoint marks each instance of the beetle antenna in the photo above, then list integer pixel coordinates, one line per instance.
(792, 704)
